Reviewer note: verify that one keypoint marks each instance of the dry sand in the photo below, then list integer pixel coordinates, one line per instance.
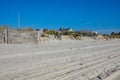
(114, 76)
(60, 60)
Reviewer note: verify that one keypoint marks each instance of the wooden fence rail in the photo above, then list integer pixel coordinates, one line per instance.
(13, 36)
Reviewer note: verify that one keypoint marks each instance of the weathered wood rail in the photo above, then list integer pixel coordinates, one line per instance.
(13, 36)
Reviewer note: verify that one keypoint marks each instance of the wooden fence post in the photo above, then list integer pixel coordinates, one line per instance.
(5, 33)
(38, 36)
(39, 32)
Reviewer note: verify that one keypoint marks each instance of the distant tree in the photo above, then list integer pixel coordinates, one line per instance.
(61, 29)
(113, 33)
(95, 34)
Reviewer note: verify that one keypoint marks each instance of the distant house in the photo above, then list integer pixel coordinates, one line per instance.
(45, 30)
(65, 29)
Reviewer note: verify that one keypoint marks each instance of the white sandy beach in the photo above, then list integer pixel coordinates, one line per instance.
(60, 60)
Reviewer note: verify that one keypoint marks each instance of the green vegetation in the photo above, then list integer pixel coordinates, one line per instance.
(54, 32)
(68, 33)
(28, 29)
(19, 29)
(87, 33)
(51, 32)
(3, 27)
(44, 35)
(117, 35)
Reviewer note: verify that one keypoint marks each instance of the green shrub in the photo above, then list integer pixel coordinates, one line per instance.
(51, 32)
(43, 35)
(67, 33)
(1, 28)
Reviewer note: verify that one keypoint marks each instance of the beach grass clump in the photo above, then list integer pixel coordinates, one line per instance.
(51, 32)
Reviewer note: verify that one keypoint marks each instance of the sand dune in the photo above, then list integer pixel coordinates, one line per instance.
(60, 60)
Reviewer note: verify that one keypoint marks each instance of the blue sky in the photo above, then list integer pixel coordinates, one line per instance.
(100, 15)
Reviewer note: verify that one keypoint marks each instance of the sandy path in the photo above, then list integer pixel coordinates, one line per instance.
(60, 60)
